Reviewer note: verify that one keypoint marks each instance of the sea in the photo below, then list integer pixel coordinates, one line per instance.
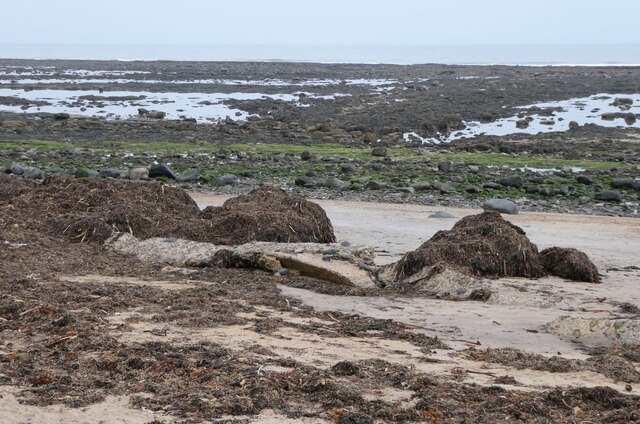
(525, 55)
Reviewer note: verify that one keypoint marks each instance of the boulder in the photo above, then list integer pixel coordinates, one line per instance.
(609, 196)
(156, 114)
(573, 125)
(305, 181)
(583, 179)
(626, 183)
(512, 181)
(379, 151)
(86, 173)
(500, 205)
(491, 185)
(376, 185)
(139, 173)
(522, 124)
(608, 116)
(348, 168)
(630, 118)
(188, 175)
(110, 173)
(158, 170)
(445, 166)
(312, 156)
(335, 183)
(35, 174)
(15, 168)
(226, 179)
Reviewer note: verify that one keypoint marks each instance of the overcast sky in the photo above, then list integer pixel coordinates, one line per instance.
(300, 22)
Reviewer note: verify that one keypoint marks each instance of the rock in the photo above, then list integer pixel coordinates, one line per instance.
(573, 125)
(376, 185)
(188, 175)
(445, 166)
(422, 186)
(533, 189)
(139, 173)
(14, 125)
(379, 151)
(156, 114)
(335, 183)
(608, 116)
(609, 196)
(15, 168)
(566, 190)
(61, 116)
(630, 118)
(305, 181)
(512, 181)
(110, 173)
(626, 183)
(34, 174)
(158, 170)
(470, 188)
(491, 185)
(500, 205)
(86, 173)
(308, 155)
(348, 168)
(441, 215)
(620, 101)
(446, 188)
(583, 179)
(226, 179)
(522, 124)
(142, 111)
(370, 137)
(408, 190)
(486, 117)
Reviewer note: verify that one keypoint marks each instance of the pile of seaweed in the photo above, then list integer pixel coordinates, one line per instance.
(92, 209)
(486, 245)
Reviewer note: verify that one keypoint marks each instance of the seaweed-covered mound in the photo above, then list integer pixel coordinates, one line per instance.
(480, 245)
(569, 263)
(270, 214)
(91, 209)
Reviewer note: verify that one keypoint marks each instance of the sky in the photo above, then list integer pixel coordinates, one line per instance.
(320, 22)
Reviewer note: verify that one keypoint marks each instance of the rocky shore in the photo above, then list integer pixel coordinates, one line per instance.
(353, 132)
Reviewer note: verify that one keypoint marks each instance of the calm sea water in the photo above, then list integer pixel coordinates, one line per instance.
(618, 54)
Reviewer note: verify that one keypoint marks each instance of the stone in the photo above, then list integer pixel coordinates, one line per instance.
(311, 156)
(584, 179)
(379, 151)
(491, 185)
(422, 186)
(226, 179)
(620, 101)
(305, 181)
(445, 166)
(470, 188)
(139, 173)
(61, 116)
(609, 196)
(573, 125)
(500, 205)
(376, 185)
(86, 173)
(370, 137)
(408, 190)
(156, 114)
(522, 124)
(348, 168)
(626, 183)
(110, 173)
(608, 116)
(335, 183)
(187, 176)
(34, 174)
(630, 118)
(512, 181)
(158, 170)
(532, 189)
(15, 168)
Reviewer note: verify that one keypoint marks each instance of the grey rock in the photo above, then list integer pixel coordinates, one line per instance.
(188, 175)
(630, 118)
(573, 125)
(522, 124)
(422, 186)
(226, 179)
(446, 188)
(456, 179)
(311, 156)
(335, 183)
(512, 181)
(110, 173)
(533, 189)
(376, 185)
(34, 174)
(86, 173)
(61, 116)
(491, 185)
(156, 115)
(441, 215)
(348, 168)
(619, 101)
(622, 183)
(500, 205)
(305, 181)
(15, 168)
(609, 196)
(158, 170)
(379, 151)
(584, 179)
(608, 116)
(409, 190)
(470, 188)
(445, 166)
(139, 173)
